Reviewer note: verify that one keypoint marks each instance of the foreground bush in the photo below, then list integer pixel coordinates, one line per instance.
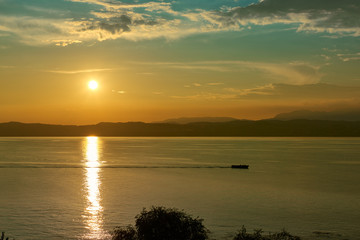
(257, 235)
(124, 233)
(161, 223)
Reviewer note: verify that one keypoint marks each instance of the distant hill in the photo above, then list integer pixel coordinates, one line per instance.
(313, 115)
(262, 128)
(185, 120)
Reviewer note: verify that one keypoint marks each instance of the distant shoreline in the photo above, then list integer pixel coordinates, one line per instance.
(236, 128)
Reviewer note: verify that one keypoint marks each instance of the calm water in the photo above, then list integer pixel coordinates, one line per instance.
(81, 188)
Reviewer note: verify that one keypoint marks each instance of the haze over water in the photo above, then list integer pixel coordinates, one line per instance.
(81, 188)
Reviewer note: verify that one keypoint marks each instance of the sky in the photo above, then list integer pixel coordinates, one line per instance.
(155, 60)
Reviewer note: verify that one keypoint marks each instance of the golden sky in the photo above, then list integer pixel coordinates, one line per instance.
(155, 60)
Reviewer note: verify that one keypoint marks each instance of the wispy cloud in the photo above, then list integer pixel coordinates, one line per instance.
(79, 71)
(290, 73)
(207, 96)
(203, 85)
(215, 83)
(262, 90)
(118, 91)
(301, 92)
(204, 66)
(304, 94)
(37, 31)
(116, 5)
(346, 57)
(199, 66)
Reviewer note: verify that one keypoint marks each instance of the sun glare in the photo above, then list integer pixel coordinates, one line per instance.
(93, 85)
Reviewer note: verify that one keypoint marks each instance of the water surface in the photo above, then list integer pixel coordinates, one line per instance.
(81, 188)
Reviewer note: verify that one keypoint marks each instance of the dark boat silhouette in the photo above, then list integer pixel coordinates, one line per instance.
(240, 166)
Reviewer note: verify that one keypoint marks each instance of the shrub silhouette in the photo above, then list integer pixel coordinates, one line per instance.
(161, 223)
(124, 233)
(283, 235)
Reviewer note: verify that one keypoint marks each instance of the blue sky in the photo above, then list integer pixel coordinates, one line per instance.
(164, 59)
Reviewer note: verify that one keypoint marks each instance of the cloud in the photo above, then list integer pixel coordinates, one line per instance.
(109, 19)
(207, 96)
(305, 92)
(4, 66)
(290, 73)
(349, 56)
(215, 84)
(326, 57)
(37, 31)
(297, 73)
(64, 42)
(308, 95)
(331, 16)
(117, 5)
(79, 71)
(207, 66)
(108, 24)
(118, 91)
(116, 25)
(117, 18)
(262, 90)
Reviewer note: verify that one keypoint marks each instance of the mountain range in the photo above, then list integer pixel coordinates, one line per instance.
(294, 115)
(296, 123)
(261, 128)
(185, 120)
(317, 115)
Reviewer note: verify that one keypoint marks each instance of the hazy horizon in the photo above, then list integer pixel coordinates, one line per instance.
(155, 60)
(345, 115)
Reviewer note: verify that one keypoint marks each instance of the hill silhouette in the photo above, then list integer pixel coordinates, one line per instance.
(318, 115)
(291, 128)
(185, 120)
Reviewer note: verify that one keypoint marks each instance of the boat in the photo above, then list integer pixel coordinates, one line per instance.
(240, 166)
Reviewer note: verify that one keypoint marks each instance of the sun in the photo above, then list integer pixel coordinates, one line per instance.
(93, 85)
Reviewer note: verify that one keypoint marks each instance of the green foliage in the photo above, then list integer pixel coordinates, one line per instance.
(257, 235)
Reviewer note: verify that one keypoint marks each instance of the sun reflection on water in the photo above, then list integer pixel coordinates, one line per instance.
(93, 216)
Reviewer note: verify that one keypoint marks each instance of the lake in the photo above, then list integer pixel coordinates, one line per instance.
(81, 188)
